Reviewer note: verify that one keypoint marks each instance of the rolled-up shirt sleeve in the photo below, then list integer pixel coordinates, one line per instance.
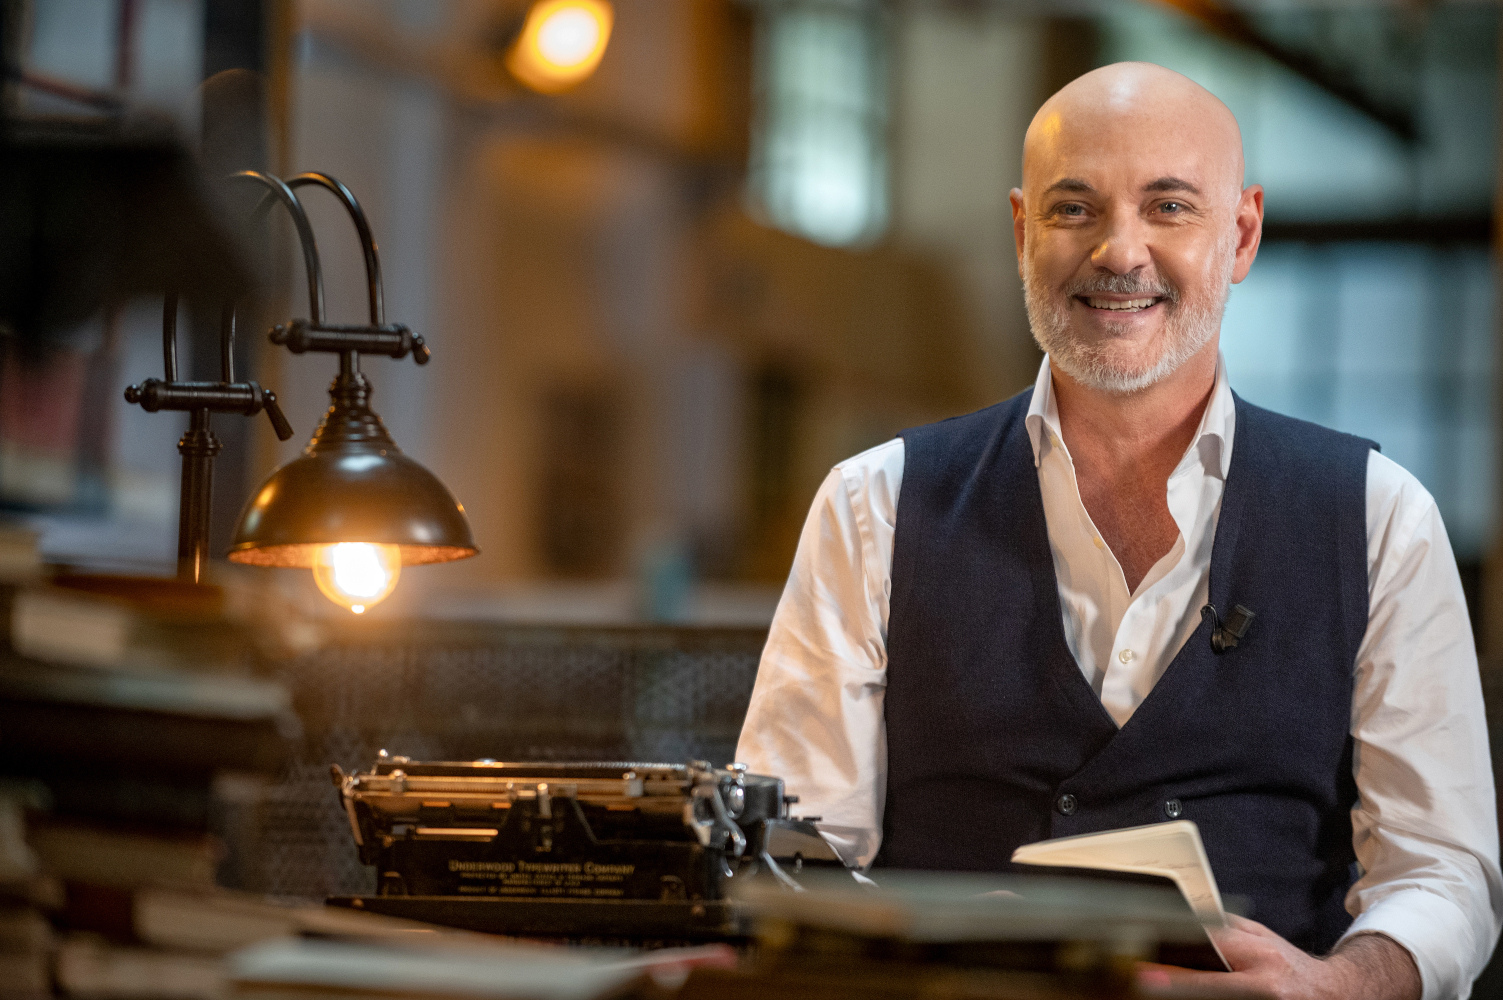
(815, 718)
(1425, 824)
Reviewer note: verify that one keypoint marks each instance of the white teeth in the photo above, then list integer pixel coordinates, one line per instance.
(1128, 305)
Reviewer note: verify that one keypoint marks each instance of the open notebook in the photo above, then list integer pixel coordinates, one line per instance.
(1167, 850)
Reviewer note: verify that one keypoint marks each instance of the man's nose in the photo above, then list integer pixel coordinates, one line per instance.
(1124, 247)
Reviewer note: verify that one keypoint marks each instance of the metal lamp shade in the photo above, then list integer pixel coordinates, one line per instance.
(352, 484)
(326, 498)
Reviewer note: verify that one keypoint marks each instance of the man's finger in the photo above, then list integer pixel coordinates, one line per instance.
(1172, 983)
(1241, 948)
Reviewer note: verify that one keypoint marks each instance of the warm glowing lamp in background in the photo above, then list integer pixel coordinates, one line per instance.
(352, 507)
(561, 43)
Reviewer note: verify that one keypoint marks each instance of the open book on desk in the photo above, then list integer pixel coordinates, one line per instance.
(1167, 850)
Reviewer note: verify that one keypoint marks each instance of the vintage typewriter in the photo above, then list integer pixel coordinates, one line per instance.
(584, 850)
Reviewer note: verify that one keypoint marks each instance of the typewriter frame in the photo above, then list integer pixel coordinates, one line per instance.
(577, 832)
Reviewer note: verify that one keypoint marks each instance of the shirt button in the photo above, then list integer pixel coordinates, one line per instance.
(1174, 809)
(1065, 804)
(1125, 656)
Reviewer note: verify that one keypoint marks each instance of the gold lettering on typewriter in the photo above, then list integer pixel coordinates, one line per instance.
(586, 880)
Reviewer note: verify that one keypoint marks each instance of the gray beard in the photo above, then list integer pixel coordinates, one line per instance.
(1190, 326)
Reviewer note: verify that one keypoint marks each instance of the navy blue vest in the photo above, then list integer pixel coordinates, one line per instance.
(995, 739)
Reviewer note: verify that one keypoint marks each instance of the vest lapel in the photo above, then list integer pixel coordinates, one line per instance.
(1033, 530)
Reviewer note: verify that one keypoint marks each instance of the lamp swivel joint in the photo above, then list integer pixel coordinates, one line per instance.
(248, 398)
(392, 340)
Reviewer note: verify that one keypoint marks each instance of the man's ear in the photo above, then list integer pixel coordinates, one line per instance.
(1019, 222)
(1249, 230)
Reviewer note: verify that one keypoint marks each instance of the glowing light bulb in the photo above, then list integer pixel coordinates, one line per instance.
(561, 43)
(569, 37)
(357, 575)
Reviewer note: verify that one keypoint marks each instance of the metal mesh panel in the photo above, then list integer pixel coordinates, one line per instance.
(467, 691)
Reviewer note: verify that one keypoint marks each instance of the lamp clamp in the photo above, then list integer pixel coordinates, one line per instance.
(246, 398)
(392, 340)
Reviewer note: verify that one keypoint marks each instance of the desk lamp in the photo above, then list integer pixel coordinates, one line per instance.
(352, 507)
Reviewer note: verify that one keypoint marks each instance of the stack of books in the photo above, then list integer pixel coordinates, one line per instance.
(125, 704)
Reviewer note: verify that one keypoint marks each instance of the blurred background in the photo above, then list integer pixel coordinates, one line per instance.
(762, 236)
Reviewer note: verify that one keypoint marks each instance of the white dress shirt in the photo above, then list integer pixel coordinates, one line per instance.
(1424, 827)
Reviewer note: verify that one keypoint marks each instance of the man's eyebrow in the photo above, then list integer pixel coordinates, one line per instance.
(1166, 184)
(1074, 184)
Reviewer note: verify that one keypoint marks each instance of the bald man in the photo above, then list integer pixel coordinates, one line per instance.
(1033, 621)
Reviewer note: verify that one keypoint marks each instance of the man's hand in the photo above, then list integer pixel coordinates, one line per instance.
(1369, 966)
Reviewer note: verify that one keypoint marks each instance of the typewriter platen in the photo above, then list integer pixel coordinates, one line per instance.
(581, 833)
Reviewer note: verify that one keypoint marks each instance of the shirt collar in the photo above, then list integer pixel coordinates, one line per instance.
(1212, 441)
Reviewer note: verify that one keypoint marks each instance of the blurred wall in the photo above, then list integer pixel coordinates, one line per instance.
(967, 83)
(632, 378)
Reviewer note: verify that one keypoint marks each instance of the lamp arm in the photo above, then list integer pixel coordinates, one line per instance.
(281, 192)
(362, 229)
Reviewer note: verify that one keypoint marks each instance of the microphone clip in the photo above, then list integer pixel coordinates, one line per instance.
(1225, 635)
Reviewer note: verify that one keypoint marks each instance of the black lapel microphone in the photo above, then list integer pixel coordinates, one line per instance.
(1224, 635)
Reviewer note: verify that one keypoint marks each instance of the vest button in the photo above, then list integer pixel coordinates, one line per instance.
(1173, 808)
(1065, 804)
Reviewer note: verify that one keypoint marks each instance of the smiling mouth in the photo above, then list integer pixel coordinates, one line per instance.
(1120, 305)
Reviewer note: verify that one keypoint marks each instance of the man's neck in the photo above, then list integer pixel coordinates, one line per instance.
(1153, 425)
(1124, 447)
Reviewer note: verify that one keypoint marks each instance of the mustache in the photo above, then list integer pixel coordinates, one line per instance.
(1123, 284)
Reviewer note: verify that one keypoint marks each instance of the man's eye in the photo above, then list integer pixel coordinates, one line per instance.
(1171, 207)
(1071, 209)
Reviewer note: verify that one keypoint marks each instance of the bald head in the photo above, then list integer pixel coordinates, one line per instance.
(1136, 105)
(1132, 223)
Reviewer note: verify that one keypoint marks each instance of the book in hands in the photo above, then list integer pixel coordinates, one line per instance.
(1167, 850)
